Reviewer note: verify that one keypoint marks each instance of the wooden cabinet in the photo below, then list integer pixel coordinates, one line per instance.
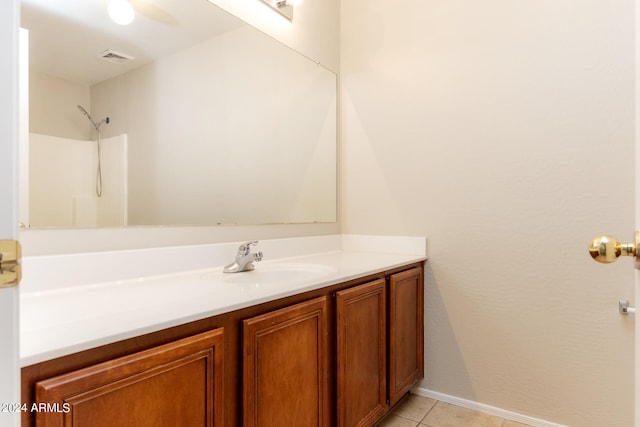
(285, 367)
(176, 384)
(361, 354)
(379, 353)
(303, 360)
(406, 332)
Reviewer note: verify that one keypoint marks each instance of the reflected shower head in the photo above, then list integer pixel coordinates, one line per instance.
(95, 125)
(84, 112)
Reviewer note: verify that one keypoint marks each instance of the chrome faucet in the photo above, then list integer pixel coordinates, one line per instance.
(244, 259)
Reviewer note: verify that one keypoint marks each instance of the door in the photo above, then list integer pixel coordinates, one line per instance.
(406, 332)
(637, 284)
(612, 248)
(285, 367)
(361, 348)
(637, 206)
(9, 356)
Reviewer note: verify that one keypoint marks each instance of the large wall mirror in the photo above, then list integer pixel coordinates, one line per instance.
(187, 116)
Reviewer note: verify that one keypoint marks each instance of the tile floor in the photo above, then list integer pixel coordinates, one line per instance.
(417, 411)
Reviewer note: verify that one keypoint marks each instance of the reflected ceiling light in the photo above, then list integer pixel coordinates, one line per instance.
(121, 12)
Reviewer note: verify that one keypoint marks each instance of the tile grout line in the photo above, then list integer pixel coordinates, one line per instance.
(428, 412)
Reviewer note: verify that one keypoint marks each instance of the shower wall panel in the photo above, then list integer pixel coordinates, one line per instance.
(62, 181)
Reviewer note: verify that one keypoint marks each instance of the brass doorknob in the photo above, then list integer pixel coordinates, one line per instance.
(607, 249)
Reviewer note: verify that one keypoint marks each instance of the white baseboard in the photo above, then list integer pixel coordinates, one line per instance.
(480, 407)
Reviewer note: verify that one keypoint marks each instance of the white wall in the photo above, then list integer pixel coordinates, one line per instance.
(504, 132)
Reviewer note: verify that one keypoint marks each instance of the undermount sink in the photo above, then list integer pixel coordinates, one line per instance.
(279, 272)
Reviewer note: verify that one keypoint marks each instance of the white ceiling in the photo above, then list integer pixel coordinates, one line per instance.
(66, 36)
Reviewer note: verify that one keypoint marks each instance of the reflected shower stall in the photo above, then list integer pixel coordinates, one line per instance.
(77, 183)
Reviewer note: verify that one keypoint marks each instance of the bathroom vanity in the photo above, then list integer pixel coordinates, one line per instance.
(327, 339)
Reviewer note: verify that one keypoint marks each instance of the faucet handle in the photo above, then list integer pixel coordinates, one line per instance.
(245, 248)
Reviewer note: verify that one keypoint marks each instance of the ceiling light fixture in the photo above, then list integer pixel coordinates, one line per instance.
(121, 12)
(283, 7)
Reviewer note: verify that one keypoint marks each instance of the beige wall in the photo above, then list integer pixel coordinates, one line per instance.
(314, 31)
(203, 148)
(53, 107)
(504, 132)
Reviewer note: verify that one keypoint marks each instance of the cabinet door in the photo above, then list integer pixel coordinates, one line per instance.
(176, 384)
(285, 365)
(406, 332)
(361, 354)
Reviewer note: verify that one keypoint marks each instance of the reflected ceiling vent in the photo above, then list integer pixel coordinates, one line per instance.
(115, 57)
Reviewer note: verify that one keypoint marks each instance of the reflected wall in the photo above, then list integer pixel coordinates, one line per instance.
(235, 130)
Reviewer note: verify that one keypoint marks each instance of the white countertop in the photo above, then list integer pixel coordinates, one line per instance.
(63, 320)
